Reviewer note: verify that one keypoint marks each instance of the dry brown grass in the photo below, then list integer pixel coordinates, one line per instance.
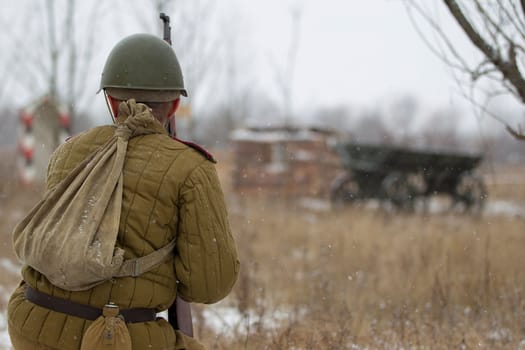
(15, 201)
(367, 279)
(360, 278)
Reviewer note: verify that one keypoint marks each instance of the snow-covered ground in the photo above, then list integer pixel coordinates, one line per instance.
(229, 320)
(508, 208)
(491, 207)
(5, 343)
(7, 266)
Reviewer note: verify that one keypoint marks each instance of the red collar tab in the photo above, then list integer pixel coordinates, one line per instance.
(198, 148)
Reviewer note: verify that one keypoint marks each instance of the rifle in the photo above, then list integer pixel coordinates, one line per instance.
(179, 313)
(179, 316)
(167, 29)
(166, 36)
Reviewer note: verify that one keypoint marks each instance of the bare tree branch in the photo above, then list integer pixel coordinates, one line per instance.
(518, 134)
(70, 45)
(84, 70)
(509, 69)
(489, 24)
(515, 19)
(462, 63)
(28, 52)
(53, 48)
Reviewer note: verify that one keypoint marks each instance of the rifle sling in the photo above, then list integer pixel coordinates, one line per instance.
(138, 266)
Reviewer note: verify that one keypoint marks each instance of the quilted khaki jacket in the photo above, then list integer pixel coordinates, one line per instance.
(170, 191)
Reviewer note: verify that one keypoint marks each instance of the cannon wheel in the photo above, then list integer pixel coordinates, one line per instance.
(401, 190)
(344, 190)
(471, 193)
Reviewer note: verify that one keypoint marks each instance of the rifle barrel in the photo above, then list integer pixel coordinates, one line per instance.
(167, 28)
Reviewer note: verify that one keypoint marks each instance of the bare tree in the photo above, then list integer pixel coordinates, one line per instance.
(48, 55)
(496, 29)
(440, 130)
(370, 128)
(402, 113)
(196, 42)
(7, 81)
(336, 117)
(284, 72)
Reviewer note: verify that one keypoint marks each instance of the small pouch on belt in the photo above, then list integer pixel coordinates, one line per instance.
(109, 331)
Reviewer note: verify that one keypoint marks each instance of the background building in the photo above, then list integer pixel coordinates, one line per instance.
(285, 160)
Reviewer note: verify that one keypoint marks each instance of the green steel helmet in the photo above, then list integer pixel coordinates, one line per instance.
(143, 62)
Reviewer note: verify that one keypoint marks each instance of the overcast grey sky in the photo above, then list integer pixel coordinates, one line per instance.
(361, 53)
(351, 52)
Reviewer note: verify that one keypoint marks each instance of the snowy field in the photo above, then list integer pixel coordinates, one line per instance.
(7, 267)
(229, 323)
(5, 343)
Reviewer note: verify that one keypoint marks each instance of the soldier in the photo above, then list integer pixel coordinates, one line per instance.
(170, 192)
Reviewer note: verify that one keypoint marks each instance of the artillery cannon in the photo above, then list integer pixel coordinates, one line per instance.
(399, 177)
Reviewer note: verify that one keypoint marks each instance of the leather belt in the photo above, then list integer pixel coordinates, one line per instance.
(87, 312)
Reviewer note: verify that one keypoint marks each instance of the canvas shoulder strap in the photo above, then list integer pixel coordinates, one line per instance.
(70, 235)
(138, 266)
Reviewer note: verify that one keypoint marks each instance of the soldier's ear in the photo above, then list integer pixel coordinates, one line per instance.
(174, 106)
(113, 104)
